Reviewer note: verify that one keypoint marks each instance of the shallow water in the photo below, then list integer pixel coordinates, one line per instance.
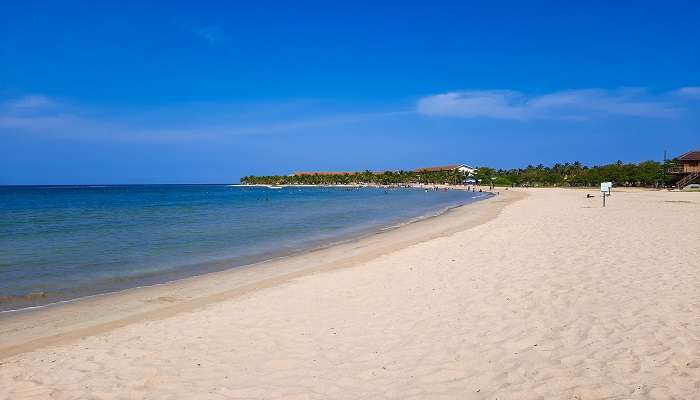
(64, 242)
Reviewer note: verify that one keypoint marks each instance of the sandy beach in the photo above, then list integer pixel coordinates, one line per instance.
(532, 294)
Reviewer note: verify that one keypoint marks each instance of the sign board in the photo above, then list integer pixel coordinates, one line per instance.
(605, 188)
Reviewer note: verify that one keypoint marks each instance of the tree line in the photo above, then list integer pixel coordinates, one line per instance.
(643, 174)
(366, 177)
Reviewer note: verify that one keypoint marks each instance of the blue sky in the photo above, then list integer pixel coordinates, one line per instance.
(178, 92)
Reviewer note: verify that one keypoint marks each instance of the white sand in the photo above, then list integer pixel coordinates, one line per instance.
(556, 298)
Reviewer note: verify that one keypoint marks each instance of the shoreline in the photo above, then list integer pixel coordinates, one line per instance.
(21, 329)
(167, 271)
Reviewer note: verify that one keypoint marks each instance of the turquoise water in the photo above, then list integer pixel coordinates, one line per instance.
(63, 242)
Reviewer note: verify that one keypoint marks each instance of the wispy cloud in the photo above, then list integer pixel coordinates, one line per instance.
(688, 92)
(572, 104)
(40, 115)
(168, 125)
(28, 103)
(212, 34)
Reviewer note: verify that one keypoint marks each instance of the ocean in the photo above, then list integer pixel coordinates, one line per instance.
(64, 242)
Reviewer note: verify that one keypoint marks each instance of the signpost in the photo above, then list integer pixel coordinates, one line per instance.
(605, 190)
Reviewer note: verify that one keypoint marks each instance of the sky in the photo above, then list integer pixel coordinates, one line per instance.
(178, 92)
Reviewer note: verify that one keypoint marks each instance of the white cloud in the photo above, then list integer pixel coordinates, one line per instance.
(167, 125)
(28, 103)
(475, 103)
(572, 104)
(40, 115)
(689, 92)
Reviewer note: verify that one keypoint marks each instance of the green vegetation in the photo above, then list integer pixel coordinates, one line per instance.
(644, 174)
(384, 178)
(647, 174)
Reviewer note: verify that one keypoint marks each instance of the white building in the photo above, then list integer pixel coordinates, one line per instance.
(463, 168)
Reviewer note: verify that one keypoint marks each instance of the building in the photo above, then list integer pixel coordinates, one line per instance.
(687, 166)
(689, 162)
(463, 168)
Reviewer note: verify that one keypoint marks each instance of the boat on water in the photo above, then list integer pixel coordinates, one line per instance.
(274, 187)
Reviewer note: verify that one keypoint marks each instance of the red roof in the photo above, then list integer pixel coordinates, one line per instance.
(690, 156)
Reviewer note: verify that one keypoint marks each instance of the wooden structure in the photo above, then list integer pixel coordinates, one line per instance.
(688, 167)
